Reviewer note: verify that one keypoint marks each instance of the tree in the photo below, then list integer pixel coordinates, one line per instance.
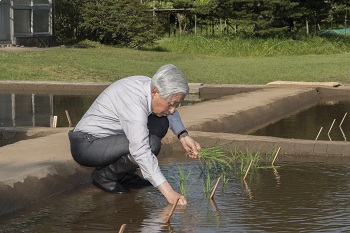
(119, 22)
(273, 17)
(340, 13)
(312, 12)
(67, 19)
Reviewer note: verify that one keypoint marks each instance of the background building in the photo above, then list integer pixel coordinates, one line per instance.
(27, 22)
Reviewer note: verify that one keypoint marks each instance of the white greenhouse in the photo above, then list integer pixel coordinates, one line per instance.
(27, 23)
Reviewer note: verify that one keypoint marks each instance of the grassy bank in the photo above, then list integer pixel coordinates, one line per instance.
(104, 64)
(254, 47)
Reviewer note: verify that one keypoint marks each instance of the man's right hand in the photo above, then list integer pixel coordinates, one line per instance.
(171, 195)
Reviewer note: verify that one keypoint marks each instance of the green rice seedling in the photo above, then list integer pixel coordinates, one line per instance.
(183, 183)
(224, 177)
(247, 157)
(214, 163)
(213, 156)
(208, 184)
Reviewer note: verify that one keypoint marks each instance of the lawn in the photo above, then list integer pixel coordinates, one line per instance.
(97, 63)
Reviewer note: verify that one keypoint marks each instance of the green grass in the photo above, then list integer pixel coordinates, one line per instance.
(253, 47)
(97, 63)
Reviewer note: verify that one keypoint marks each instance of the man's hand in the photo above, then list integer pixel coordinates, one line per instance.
(171, 195)
(191, 146)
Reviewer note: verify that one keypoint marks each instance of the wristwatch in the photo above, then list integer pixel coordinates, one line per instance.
(182, 134)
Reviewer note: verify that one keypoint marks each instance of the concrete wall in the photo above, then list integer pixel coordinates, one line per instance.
(37, 168)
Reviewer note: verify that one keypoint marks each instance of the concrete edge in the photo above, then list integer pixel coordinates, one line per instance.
(292, 150)
(67, 175)
(59, 177)
(317, 84)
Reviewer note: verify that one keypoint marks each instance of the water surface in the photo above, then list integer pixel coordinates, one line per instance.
(308, 123)
(291, 198)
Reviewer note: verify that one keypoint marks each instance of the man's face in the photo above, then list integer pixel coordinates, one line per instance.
(164, 107)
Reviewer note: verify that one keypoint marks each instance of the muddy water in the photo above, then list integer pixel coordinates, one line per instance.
(290, 198)
(307, 124)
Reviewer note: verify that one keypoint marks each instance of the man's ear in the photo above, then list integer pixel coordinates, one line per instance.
(154, 90)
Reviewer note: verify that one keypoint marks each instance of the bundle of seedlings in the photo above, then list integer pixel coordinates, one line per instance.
(214, 163)
(213, 157)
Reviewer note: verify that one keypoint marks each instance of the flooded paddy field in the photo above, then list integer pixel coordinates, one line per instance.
(329, 120)
(293, 197)
(38, 110)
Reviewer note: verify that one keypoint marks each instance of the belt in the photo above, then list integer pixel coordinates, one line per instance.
(80, 135)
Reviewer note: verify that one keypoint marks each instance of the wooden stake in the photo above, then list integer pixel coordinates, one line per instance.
(342, 120)
(341, 128)
(273, 161)
(122, 228)
(318, 134)
(216, 185)
(248, 190)
(172, 210)
(330, 130)
(342, 132)
(54, 122)
(246, 173)
(68, 117)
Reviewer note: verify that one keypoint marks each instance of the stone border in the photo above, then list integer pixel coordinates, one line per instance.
(38, 168)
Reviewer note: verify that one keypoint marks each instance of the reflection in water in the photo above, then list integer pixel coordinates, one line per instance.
(315, 122)
(39, 110)
(296, 198)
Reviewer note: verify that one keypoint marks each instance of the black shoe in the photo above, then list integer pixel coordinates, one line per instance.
(134, 181)
(108, 185)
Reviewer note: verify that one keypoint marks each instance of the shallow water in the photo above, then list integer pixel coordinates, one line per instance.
(307, 124)
(290, 198)
(38, 110)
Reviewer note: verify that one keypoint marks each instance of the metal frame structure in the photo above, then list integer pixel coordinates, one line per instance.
(24, 20)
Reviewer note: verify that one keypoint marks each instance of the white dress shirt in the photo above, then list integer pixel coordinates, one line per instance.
(123, 108)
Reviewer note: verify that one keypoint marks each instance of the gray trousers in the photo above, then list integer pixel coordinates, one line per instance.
(91, 151)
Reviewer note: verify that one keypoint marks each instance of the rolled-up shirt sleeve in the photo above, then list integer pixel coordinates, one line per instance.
(133, 118)
(175, 123)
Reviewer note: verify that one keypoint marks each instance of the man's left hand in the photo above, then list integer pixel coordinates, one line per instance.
(191, 146)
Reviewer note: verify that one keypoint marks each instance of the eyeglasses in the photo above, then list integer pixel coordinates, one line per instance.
(174, 104)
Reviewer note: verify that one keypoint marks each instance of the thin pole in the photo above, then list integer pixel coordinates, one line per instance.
(33, 110)
(216, 185)
(68, 117)
(318, 134)
(54, 122)
(122, 228)
(330, 130)
(195, 24)
(246, 173)
(342, 132)
(273, 161)
(172, 210)
(342, 120)
(249, 192)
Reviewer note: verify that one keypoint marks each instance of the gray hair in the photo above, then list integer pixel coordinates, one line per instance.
(169, 81)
